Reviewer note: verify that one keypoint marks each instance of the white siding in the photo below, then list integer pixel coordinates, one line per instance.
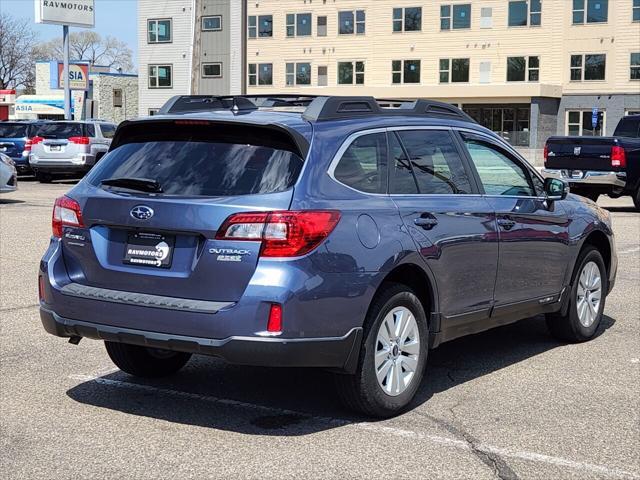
(236, 39)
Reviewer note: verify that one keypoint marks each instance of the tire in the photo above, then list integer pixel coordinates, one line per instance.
(44, 177)
(636, 199)
(590, 195)
(362, 392)
(146, 362)
(570, 328)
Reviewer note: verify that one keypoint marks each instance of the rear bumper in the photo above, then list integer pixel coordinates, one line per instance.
(327, 352)
(589, 178)
(78, 163)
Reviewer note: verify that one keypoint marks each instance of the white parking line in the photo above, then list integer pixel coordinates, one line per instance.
(602, 470)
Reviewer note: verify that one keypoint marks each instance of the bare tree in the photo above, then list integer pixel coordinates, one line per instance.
(17, 42)
(90, 46)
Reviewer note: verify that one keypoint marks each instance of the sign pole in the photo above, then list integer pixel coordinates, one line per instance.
(65, 72)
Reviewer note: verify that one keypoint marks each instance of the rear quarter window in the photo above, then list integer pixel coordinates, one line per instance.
(108, 130)
(363, 165)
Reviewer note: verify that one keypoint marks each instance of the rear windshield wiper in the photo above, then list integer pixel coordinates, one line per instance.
(141, 184)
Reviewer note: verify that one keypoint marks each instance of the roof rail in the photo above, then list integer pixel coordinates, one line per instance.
(239, 103)
(334, 108)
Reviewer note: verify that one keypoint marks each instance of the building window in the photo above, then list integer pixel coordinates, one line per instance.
(634, 73)
(322, 26)
(298, 24)
(212, 23)
(351, 22)
(211, 70)
(160, 76)
(588, 67)
(260, 26)
(348, 72)
(159, 31)
(405, 71)
(525, 12)
(454, 70)
(260, 74)
(520, 69)
(153, 111)
(486, 17)
(455, 16)
(407, 19)
(298, 74)
(590, 11)
(580, 122)
(323, 76)
(636, 10)
(117, 97)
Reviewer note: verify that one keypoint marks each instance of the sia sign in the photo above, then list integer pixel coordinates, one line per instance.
(78, 76)
(77, 13)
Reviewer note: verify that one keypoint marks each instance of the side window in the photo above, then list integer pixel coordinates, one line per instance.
(499, 174)
(436, 163)
(403, 181)
(91, 130)
(363, 165)
(108, 130)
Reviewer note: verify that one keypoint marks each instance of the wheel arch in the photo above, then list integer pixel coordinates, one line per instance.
(599, 240)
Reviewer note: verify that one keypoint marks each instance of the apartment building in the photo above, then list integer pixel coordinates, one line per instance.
(526, 69)
(189, 47)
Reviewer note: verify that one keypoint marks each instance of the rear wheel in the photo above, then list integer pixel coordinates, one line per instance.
(591, 195)
(144, 361)
(588, 294)
(393, 355)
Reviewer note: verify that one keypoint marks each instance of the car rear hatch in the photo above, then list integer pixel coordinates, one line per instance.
(13, 137)
(61, 140)
(153, 229)
(580, 153)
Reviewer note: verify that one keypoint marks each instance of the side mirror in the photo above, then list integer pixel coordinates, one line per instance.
(555, 188)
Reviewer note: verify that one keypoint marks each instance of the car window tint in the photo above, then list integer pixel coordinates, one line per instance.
(13, 130)
(90, 129)
(403, 181)
(60, 130)
(499, 174)
(436, 162)
(108, 130)
(363, 165)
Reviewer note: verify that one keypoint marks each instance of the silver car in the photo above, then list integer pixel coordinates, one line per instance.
(69, 147)
(8, 174)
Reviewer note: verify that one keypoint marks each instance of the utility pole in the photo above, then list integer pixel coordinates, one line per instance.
(65, 72)
(197, 47)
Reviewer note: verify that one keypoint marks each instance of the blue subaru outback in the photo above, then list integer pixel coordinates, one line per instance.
(332, 232)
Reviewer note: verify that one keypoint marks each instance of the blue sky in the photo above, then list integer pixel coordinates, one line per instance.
(117, 18)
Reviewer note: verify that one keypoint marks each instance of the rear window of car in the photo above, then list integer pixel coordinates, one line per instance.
(203, 161)
(628, 127)
(61, 130)
(13, 130)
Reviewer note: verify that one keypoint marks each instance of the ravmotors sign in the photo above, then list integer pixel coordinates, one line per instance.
(78, 76)
(79, 13)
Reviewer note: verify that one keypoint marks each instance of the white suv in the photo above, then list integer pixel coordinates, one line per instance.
(69, 147)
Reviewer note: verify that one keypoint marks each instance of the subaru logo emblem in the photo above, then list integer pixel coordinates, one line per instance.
(577, 150)
(141, 212)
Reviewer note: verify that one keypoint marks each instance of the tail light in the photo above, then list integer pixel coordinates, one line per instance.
(284, 233)
(618, 157)
(546, 153)
(79, 140)
(31, 142)
(66, 212)
(274, 324)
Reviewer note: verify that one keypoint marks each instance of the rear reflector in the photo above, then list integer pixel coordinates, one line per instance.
(66, 212)
(79, 140)
(274, 324)
(283, 233)
(41, 287)
(618, 157)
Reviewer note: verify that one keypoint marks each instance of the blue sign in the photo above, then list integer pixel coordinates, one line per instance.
(594, 117)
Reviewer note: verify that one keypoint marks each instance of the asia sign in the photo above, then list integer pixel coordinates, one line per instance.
(78, 76)
(77, 13)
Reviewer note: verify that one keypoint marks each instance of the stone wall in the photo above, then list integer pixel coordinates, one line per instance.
(104, 85)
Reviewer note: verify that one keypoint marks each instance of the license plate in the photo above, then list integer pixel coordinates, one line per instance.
(55, 148)
(149, 250)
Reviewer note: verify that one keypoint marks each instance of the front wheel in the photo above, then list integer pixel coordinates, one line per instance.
(393, 355)
(144, 361)
(588, 294)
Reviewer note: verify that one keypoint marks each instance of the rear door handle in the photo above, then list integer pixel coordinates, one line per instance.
(506, 224)
(426, 222)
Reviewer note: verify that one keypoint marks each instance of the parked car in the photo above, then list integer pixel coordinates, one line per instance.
(69, 148)
(8, 174)
(594, 166)
(343, 235)
(16, 140)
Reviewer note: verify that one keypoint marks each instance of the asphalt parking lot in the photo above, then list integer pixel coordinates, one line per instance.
(511, 403)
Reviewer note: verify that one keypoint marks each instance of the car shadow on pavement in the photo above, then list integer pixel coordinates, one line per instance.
(291, 402)
(9, 201)
(622, 209)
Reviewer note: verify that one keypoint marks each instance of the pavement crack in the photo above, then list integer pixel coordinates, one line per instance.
(491, 459)
(15, 309)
